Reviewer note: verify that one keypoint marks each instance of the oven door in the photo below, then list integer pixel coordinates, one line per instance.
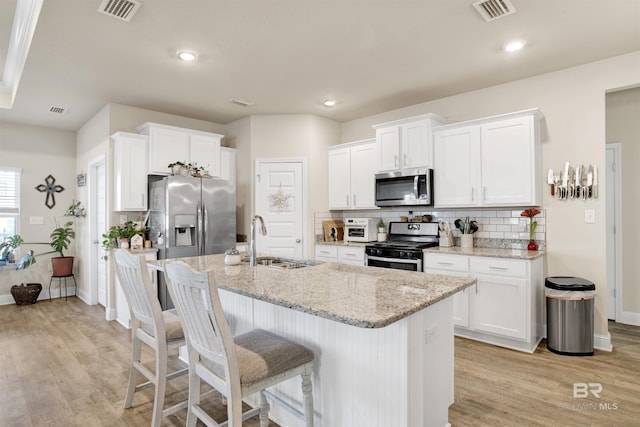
(396, 263)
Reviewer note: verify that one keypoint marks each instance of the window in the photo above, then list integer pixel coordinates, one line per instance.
(9, 201)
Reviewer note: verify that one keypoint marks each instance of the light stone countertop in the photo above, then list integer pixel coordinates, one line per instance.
(365, 297)
(486, 252)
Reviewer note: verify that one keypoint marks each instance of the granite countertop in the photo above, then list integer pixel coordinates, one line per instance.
(343, 243)
(486, 252)
(142, 251)
(365, 297)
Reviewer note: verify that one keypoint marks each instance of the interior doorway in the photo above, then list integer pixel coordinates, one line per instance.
(613, 174)
(279, 199)
(97, 226)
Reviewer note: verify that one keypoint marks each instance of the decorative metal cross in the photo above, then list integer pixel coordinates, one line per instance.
(51, 189)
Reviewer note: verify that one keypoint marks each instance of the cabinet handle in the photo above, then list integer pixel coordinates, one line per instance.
(354, 200)
(395, 160)
(404, 160)
(324, 252)
(498, 268)
(346, 196)
(348, 254)
(472, 194)
(444, 263)
(484, 194)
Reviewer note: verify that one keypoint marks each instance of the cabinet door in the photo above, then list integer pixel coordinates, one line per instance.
(416, 146)
(327, 253)
(340, 178)
(130, 153)
(499, 306)
(456, 171)
(508, 161)
(167, 146)
(363, 170)
(388, 145)
(351, 255)
(205, 151)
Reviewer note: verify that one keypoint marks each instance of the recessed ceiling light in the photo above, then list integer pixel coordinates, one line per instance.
(187, 56)
(329, 103)
(514, 46)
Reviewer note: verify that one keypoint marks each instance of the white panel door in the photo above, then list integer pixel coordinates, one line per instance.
(388, 140)
(280, 201)
(416, 149)
(456, 168)
(507, 162)
(363, 176)
(340, 178)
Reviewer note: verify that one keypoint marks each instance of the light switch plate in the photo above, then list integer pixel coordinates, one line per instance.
(589, 216)
(36, 220)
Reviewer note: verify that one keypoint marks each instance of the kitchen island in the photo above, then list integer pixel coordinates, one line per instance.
(383, 339)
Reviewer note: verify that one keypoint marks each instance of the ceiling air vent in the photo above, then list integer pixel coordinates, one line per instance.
(121, 9)
(57, 110)
(494, 9)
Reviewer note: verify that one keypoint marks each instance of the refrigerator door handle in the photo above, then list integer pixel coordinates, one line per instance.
(205, 227)
(199, 229)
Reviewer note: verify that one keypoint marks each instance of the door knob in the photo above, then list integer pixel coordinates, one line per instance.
(298, 240)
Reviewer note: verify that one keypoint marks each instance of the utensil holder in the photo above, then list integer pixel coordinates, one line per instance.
(466, 240)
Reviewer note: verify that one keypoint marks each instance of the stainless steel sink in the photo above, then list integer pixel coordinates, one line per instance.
(284, 263)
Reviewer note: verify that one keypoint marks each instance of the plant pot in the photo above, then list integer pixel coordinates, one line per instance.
(26, 295)
(62, 266)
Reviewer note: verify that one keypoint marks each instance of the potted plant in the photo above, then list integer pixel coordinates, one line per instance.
(117, 234)
(60, 240)
(382, 226)
(75, 209)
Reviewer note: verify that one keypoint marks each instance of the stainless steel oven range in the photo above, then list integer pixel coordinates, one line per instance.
(403, 250)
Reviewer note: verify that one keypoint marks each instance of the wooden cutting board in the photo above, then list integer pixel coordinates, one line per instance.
(333, 230)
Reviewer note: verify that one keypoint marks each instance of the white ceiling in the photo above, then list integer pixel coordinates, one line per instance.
(287, 56)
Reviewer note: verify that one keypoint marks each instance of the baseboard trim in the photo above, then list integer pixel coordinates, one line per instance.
(602, 342)
(6, 299)
(629, 318)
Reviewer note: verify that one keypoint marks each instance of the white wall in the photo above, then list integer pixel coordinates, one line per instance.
(623, 125)
(39, 152)
(573, 103)
(285, 136)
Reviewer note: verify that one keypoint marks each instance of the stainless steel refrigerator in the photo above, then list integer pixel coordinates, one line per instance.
(189, 217)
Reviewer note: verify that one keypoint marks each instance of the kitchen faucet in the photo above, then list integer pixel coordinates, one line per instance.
(252, 242)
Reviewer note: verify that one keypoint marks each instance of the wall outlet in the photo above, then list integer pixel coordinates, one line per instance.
(590, 216)
(123, 219)
(36, 220)
(430, 335)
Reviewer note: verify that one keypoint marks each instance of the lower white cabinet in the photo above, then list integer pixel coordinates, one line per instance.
(504, 307)
(353, 255)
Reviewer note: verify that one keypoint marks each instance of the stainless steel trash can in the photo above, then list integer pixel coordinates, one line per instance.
(570, 315)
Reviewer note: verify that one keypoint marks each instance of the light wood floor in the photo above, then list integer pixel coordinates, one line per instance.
(64, 365)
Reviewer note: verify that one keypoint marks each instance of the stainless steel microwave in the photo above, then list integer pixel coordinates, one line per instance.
(405, 188)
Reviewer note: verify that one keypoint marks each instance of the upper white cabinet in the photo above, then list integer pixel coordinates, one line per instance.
(406, 143)
(169, 144)
(130, 171)
(489, 162)
(352, 169)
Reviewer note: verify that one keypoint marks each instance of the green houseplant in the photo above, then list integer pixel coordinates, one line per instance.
(119, 233)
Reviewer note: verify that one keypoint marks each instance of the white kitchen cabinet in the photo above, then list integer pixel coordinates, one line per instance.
(343, 254)
(453, 265)
(406, 143)
(489, 162)
(504, 307)
(170, 144)
(130, 171)
(352, 175)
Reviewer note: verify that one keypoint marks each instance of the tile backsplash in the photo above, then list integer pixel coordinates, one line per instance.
(497, 228)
